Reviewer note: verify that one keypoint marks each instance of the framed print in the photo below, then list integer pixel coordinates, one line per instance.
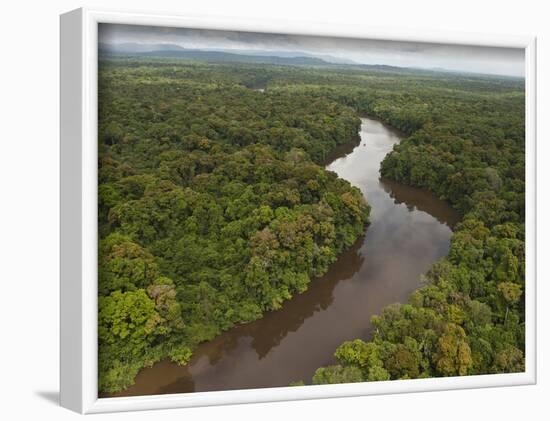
(266, 211)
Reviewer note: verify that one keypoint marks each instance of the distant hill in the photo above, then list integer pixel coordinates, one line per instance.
(217, 56)
(296, 58)
(175, 51)
(281, 53)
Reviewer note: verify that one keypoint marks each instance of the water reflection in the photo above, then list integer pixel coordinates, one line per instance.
(421, 200)
(409, 230)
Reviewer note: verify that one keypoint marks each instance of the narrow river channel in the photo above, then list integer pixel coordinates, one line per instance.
(410, 229)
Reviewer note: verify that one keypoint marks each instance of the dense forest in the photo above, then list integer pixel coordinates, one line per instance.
(466, 144)
(214, 207)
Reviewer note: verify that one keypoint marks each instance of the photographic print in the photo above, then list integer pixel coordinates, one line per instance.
(288, 210)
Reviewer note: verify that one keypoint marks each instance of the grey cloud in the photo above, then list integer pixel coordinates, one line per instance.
(505, 61)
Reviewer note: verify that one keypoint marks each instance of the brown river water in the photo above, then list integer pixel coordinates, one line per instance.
(410, 229)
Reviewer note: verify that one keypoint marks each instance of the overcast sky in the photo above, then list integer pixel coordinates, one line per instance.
(490, 60)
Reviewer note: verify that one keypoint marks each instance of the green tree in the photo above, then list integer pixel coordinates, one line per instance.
(453, 355)
(337, 374)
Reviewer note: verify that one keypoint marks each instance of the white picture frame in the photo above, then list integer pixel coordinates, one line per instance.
(78, 157)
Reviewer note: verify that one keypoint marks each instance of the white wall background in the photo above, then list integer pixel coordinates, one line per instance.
(29, 195)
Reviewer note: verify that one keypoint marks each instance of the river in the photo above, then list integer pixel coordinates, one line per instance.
(410, 229)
